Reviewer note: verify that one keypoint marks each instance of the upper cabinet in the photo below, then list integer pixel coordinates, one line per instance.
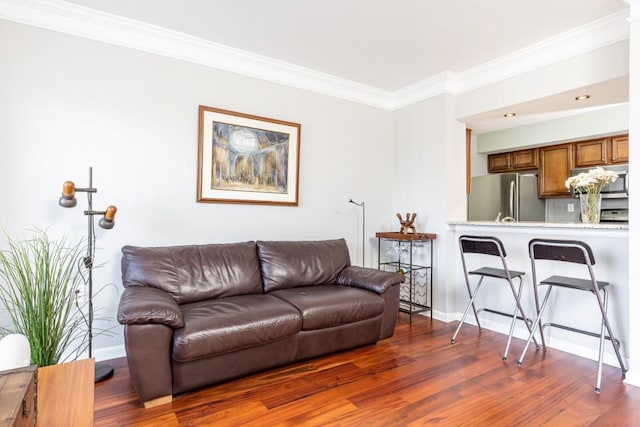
(524, 159)
(556, 162)
(513, 161)
(500, 162)
(591, 153)
(619, 149)
(603, 151)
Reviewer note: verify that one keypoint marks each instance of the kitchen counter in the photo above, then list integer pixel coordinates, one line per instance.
(603, 226)
(615, 229)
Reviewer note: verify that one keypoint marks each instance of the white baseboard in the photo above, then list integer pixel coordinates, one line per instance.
(632, 377)
(107, 353)
(444, 317)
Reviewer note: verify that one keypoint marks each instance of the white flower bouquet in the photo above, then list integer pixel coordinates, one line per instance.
(589, 185)
(591, 182)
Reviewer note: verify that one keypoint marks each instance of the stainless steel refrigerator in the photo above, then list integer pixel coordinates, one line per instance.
(510, 195)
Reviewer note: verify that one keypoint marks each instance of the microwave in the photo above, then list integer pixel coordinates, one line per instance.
(619, 189)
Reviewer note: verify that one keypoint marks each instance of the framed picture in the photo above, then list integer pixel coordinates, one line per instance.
(247, 159)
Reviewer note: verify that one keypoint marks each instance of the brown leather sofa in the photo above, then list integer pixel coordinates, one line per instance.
(201, 314)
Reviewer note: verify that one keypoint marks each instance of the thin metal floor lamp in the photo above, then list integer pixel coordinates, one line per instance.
(361, 205)
(68, 200)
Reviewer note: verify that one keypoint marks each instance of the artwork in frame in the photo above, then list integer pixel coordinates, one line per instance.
(247, 159)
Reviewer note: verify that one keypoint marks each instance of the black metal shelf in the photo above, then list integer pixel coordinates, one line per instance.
(413, 307)
(405, 266)
(416, 293)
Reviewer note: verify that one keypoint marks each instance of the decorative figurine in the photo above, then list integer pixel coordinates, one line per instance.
(406, 225)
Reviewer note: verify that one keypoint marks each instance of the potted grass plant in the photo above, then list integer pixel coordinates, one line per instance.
(39, 279)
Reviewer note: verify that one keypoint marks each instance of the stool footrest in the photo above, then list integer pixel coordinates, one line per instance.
(580, 331)
(502, 313)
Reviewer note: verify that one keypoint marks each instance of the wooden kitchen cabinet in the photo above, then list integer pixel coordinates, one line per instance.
(524, 159)
(500, 162)
(513, 161)
(600, 152)
(591, 153)
(619, 149)
(555, 164)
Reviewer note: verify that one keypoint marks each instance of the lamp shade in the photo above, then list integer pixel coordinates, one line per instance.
(68, 198)
(14, 352)
(107, 221)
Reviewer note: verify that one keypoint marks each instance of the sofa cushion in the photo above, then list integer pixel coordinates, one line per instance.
(328, 306)
(294, 264)
(195, 272)
(229, 324)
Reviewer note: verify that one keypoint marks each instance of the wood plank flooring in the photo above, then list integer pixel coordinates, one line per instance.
(414, 378)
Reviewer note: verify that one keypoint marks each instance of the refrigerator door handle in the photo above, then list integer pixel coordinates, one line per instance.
(512, 196)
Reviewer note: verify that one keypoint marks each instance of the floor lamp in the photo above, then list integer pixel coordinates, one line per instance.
(362, 205)
(68, 200)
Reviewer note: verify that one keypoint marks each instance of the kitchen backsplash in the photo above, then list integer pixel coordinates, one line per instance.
(557, 210)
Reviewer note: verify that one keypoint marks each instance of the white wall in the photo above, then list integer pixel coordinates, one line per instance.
(429, 180)
(606, 121)
(599, 65)
(478, 160)
(67, 103)
(420, 157)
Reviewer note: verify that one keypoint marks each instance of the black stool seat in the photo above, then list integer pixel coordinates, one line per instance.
(497, 273)
(572, 282)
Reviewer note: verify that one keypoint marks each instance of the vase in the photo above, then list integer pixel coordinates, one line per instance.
(590, 208)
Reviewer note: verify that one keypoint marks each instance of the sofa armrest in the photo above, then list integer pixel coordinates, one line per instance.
(369, 278)
(140, 305)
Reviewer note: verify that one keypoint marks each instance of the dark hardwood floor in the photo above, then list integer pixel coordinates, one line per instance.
(414, 378)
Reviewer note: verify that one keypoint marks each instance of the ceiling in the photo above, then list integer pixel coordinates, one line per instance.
(378, 43)
(377, 52)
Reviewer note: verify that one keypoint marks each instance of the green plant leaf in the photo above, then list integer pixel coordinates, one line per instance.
(39, 279)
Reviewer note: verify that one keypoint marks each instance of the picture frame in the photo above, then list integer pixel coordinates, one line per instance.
(247, 159)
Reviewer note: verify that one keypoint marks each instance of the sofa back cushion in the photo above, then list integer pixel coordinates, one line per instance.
(194, 272)
(287, 265)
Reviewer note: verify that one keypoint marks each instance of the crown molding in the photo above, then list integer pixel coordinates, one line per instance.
(635, 10)
(440, 84)
(603, 32)
(84, 22)
(608, 30)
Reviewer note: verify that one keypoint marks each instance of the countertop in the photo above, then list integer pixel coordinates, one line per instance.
(574, 225)
(548, 229)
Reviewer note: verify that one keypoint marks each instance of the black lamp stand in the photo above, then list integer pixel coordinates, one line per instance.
(102, 371)
(361, 204)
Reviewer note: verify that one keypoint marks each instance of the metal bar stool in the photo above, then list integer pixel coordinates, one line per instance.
(579, 253)
(492, 247)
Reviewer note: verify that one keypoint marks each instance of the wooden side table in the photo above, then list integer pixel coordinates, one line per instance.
(65, 394)
(418, 276)
(17, 397)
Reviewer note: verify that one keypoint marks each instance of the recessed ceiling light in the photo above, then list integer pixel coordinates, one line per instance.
(582, 97)
(510, 115)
